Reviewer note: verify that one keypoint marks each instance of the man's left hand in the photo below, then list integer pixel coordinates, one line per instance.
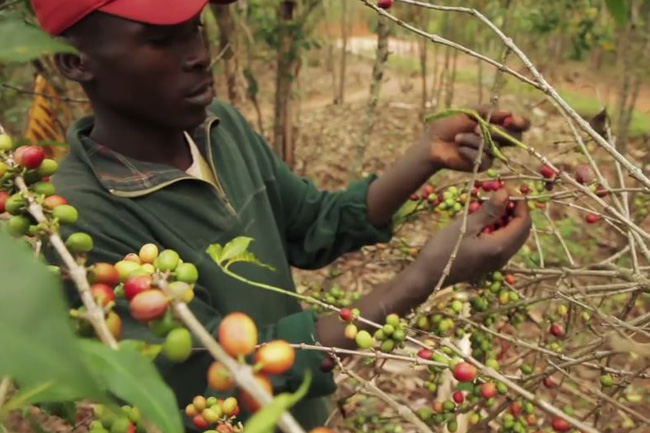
(454, 141)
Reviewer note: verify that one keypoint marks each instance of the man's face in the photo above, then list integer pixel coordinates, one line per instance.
(159, 74)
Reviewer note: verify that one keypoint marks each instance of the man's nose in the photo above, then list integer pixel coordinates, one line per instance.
(198, 54)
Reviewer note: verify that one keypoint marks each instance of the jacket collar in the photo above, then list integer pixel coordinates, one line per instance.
(127, 177)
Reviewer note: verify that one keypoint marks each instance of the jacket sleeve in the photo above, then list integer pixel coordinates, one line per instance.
(319, 226)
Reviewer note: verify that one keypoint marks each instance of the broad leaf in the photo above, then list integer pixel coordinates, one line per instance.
(37, 342)
(235, 247)
(267, 418)
(22, 42)
(618, 9)
(133, 378)
(215, 251)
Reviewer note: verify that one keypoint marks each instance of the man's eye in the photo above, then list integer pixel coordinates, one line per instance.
(161, 39)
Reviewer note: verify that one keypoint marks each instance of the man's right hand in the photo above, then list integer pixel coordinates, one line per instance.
(479, 253)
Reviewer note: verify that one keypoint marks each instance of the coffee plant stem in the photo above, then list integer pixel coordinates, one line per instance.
(402, 410)
(581, 387)
(95, 314)
(4, 389)
(539, 82)
(242, 373)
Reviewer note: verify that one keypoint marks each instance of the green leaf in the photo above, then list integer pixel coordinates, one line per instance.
(37, 342)
(249, 257)
(142, 347)
(235, 247)
(618, 9)
(215, 251)
(133, 378)
(22, 42)
(265, 420)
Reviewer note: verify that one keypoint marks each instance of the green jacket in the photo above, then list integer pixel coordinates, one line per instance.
(124, 203)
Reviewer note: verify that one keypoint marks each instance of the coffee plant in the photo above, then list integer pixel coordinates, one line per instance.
(554, 341)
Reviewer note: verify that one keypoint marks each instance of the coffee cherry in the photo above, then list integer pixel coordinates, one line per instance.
(121, 425)
(549, 382)
(29, 156)
(321, 430)
(4, 196)
(148, 305)
(47, 168)
(220, 378)
(6, 143)
(346, 315)
(351, 331)
(425, 354)
(53, 201)
(18, 225)
(79, 243)
(592, 218)
(606, 380)
(125, 268)
(132, 257)
(557, 330)
(230, 406)
(385, 4)
(276, 357)
(399, 335)
(178, 345)
(136, 285)
(114, 324)
(458, 397)
(44, 188)
(211, 415)
(510, 279)
(392, 319)
(488, 390)
(515, 408)
(474, 207)
(181, 291)
(65, 213)
(584, 175)
(327, 364)
(15, 204)
(200, 403)
(387, 346)
(238, 334)
(601, 191)
(190, 410)
(464, 372)
(525, 189)
(249, 402)
(364, 340)
(547, 172)
(102, 293)
(104, 273)
(187, 273)
(167, 260)
(148, 253)
(200, 423)
(560, 425)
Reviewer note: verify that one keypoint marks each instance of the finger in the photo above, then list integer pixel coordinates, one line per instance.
(495, 115)
(514, 235)
(499, 138)
(517, 123)
(491, 211)
(471, 155)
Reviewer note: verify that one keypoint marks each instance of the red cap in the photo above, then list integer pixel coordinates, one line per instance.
(56, 16)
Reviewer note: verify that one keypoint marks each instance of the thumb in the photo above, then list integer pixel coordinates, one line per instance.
(490, 212)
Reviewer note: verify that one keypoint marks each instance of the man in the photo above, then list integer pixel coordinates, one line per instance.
(153, 165)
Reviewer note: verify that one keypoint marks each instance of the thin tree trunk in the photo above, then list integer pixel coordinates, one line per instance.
(227, 38)
(383, 30)
(624, 94)
(424, 70)
(340, 95)
(451, 83)
(285, 62)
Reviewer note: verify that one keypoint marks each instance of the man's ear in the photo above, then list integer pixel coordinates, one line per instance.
(74, 67)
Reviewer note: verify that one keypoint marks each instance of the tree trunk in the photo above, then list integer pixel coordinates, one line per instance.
(227, 38)
(423, 47)
(451, 83)
(340, 95)
(383, 30)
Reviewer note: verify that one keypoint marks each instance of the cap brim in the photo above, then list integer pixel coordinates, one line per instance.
(158, 12)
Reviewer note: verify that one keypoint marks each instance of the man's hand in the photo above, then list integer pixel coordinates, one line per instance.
(479, 253)
(454, 141)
